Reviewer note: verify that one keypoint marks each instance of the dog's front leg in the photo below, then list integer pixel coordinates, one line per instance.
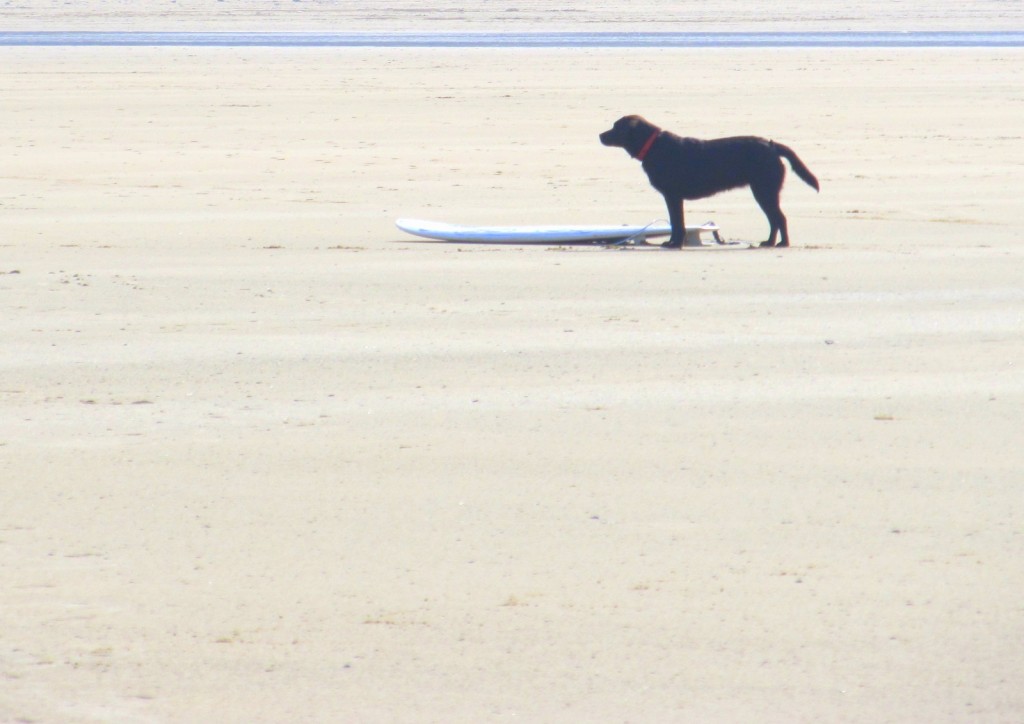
(676, 218)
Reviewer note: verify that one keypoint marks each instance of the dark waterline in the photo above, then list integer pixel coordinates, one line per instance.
(923, 39)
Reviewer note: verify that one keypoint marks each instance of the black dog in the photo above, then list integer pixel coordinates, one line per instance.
(689, 168)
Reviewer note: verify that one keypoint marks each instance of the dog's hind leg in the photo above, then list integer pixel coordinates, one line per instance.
(767, 197)
(676, 217)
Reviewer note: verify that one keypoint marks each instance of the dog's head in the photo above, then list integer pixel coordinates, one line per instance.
(630, 133)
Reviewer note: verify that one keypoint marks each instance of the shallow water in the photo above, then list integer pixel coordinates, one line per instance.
(917, 39)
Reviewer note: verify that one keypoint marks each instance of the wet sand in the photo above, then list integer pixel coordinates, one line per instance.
(266, 458)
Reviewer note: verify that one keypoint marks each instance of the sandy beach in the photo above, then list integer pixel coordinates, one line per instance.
(266, 458)
(521, 15)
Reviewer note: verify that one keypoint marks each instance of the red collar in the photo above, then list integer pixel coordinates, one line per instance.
(642, 154)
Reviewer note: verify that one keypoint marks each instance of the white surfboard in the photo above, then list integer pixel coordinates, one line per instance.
(551, 234)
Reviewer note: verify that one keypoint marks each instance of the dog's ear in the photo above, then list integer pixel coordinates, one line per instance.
(630, 122)
(638, 126)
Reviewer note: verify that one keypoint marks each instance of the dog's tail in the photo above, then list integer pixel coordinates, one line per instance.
(798, 166)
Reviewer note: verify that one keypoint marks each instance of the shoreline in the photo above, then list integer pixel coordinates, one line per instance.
(512, 40)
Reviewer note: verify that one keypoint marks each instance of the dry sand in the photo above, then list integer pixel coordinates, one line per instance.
(264, 458)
